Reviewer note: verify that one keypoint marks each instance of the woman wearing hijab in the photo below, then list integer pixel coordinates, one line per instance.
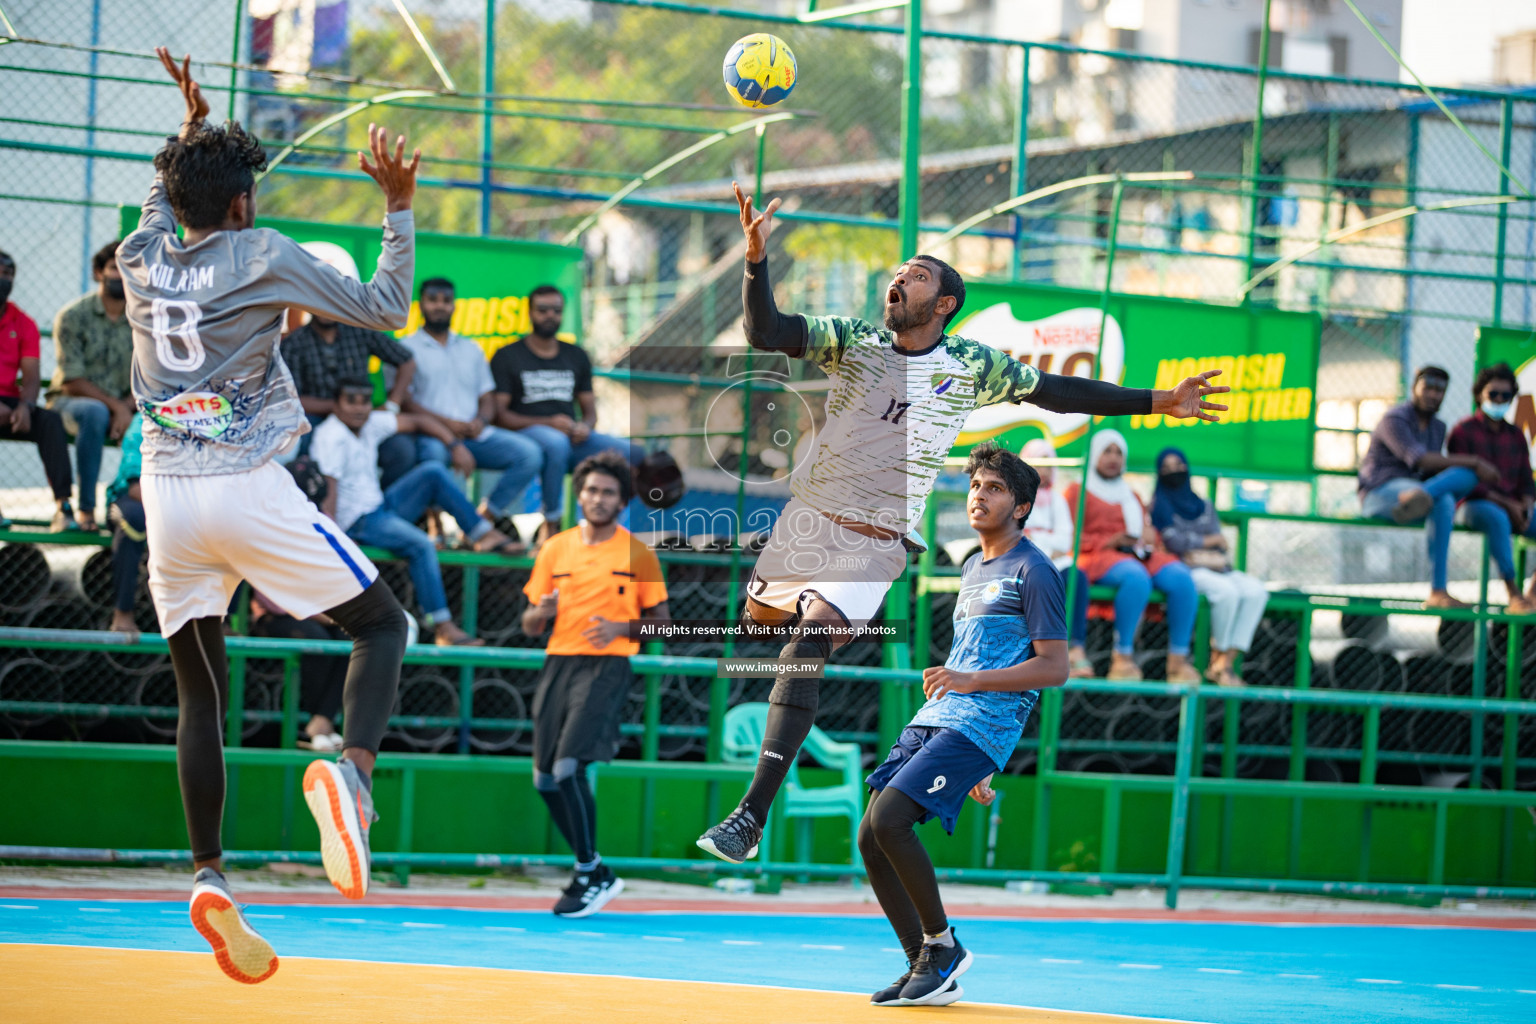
(1050, 527)
(1190, 529)
(1120, 549)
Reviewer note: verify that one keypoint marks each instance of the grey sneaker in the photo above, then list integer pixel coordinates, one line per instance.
(242, 953)
(735, 839)
(343, 808)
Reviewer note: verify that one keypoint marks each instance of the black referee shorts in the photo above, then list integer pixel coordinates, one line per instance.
(578, 707)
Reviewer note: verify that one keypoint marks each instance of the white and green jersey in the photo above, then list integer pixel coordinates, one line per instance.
(892, 416)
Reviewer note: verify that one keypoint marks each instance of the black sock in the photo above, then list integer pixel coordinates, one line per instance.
(786, 730)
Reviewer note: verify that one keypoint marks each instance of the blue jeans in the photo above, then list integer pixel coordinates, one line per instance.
(397, 457)
(517, 457)
(1447, 487)
(392, 527)
(1492, 520)
(561, 456)
(87, 419)
(1133, 586)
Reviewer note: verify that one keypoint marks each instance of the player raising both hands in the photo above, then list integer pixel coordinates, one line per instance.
(898, 400)
(218, 404)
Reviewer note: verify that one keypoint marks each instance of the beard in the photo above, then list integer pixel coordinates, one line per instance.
(905, 316)
(547, 329)
(598, 521)
(437, 325)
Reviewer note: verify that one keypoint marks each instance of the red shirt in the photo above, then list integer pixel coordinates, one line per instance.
(18, 341)
(1502, 444)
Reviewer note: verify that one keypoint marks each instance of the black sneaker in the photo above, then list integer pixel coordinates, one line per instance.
(589, 892)
(735, 839)
(891, 994)
(936, 972)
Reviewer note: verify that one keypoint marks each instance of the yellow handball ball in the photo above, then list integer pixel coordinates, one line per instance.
(759, 70)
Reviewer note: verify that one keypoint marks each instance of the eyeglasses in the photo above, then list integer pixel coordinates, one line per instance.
(1500, 396)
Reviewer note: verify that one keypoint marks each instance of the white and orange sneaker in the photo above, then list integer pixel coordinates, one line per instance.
(343, 808)
(242, 954)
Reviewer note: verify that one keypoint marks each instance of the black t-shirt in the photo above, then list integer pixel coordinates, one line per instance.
(542, 387)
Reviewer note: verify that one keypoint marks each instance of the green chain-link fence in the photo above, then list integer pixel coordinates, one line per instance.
(558, 103)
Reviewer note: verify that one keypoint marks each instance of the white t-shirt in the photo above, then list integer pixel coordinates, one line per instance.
(449, 378)
(352, 460)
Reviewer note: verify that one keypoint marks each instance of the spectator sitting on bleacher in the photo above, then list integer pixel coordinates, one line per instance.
(1051, 527)
(21, 418)
(1189, 528)
(453, 387)
(1504, 508)
(93, 345)
(346, 448)
(540, 382)
(1405, 478)
(322, 677)
(1121, 549)
(125, 508)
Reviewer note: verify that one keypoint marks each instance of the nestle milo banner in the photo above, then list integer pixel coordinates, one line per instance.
(492, 276)
(1518, 349)
(1268, 358)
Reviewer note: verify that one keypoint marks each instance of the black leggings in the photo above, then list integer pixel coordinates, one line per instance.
(376, 624)
(899, 869)
(322, 677)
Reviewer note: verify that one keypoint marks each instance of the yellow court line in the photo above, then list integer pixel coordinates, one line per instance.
(78, 984)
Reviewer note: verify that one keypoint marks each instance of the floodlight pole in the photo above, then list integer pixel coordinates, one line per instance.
(910, 201)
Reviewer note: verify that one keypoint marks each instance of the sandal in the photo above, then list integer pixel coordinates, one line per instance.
(1080, 668)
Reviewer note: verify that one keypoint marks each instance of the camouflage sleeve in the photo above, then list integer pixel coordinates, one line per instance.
(827, 337)
(1000, 377)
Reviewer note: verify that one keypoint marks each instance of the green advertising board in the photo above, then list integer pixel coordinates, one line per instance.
(1267, 357)
(492, 276)
(1517, 347)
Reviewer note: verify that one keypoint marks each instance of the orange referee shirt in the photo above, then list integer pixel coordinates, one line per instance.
(615, 579)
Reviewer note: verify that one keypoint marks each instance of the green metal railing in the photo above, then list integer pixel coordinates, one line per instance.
(1183, 786)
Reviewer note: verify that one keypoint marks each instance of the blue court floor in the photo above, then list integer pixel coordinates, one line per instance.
(1197, 971)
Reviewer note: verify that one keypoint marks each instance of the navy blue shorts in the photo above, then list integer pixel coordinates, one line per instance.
(935, 766)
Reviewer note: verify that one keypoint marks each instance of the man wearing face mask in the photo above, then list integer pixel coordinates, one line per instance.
(1503, 508)
(1405, 477)
(21, 419)
(93, 346)
(540, 382)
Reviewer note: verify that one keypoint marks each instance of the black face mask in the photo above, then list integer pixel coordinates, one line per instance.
(114, 286)
(5, 290)
(1175, 481)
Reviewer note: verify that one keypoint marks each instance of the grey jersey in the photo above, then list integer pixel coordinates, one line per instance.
(215, 393)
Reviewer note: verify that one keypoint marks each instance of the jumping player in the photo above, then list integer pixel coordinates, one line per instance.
(899, 398)
(218, 404)
(1010, 640)
(597, 581)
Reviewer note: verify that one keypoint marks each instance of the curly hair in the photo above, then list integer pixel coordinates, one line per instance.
(609, 463)
(205, 172)
(1022, 478)
(1489, 374)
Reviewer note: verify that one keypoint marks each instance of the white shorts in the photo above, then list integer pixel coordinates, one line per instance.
(207, 533)
(808, 551)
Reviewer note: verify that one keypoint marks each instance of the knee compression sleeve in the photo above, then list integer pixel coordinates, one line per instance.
(376, 623)
(810, 644)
